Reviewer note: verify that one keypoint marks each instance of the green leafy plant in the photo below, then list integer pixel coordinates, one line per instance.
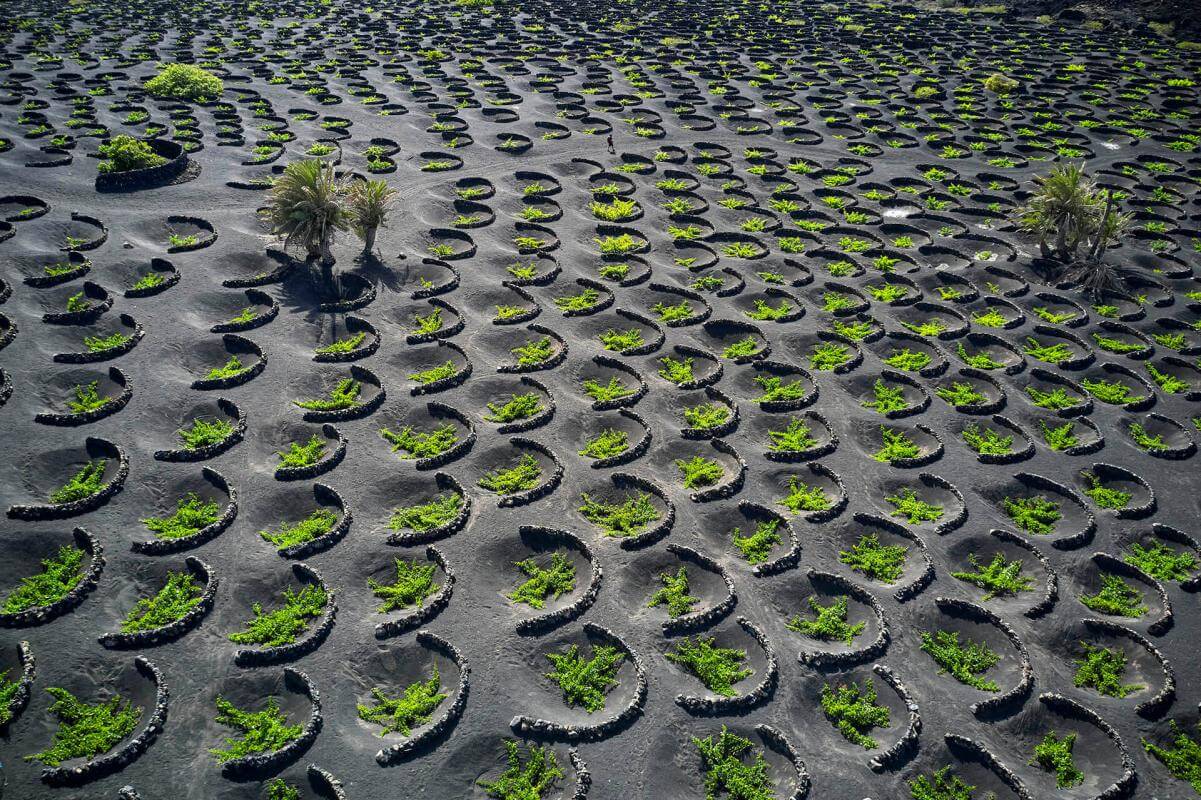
(585, 681)
(877, 561)
(674, 594)
(401, 714)
(607, 444)
(1112, 392)
(414, 581)
(437, 373)
(305, 208)
(86, 730)
(626, 518)
(706, 416)
(284, 624)
(517, 407)
(802, 497)
(124, 153)
(415, 444)
(854, 712)
(908, 360)
(1116, 598)
(907, 504)
(726, 771)
(552, 582)
(230, 369)
(1060, 437)
(434, 513)
(1104, 496)
(184, 82)
(775, 390)
(177, 597)
(87, 399)
(699, 472)
(675, 370)
(523, 475)
(318, 523)
(986, 441)
(1101, 668)
(758, 546)
(622, 341)
(897, 446)
(1145, 439)
(60, 573)
(942, 784)
(1054, 754)
(343, 396)
(302, 455)
(263, 731)
(829, 623)
(534, 352)
(828, 356)
(886, 399)
(961, 394)
(1182, 759)
(525, 781)
(744, 347)
(367, 206)
(965, 662)
(998, 578)
(1033, 514)
(1160, 561)
(795, 438)
(718, 668)
(1057, 399)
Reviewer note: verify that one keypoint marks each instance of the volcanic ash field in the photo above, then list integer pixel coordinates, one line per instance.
(704, 423)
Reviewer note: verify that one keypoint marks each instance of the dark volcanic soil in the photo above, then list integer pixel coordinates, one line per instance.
(828, 185)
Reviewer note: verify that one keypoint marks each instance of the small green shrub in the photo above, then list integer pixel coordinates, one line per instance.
(698, 472)
(897, 446)
(554, 582)
(744, 347)
(343, 396)
(263, 731)
(401, 714)
(414, 582)
(622, 341)
(978, 360)
(706, 416)
(517, 407)
(87, 481)
(727, 773)
(802, 497)
(886, 399)
(1116, 598)
(87, 398)
(521, 476)
(86, 730)
(795, 438)
(965, 662)
(578, 302)
(674, 594)
(60, 573)
(1112, 392)
(676, 371)
(908, 360)
(230, 369)
(829, 623)
(1101, 668)
(192, 513)
(177, 597)
(203, 433)
(124, 153)
(1057, 353)
(1059, 438)
(986, 441)
(626, 518)
(877, 561)
(607, 444)
(302, 455)
(1161, 562)
(775, 390)
(607, 392)
(828, 356)
(1054, 754)
(426, 516)
(1183, 758)
(941, 785)
(718, 668)
(1104, 496)
(525, 781)
(434, 374)
(585, 681)
(318, 523)
(534, 352)
(758, 546)
(998, 578)
(854, 712)
(184, 82)
(1147, 441)
(284, 624)
(1057, 399)
(907, 504)
(413, 444)
(961, 394)
(1033, 514)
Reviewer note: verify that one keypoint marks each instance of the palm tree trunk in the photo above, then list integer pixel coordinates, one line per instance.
(369, 239)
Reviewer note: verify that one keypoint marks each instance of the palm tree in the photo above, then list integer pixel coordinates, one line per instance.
(305, 208)
(367, 205)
